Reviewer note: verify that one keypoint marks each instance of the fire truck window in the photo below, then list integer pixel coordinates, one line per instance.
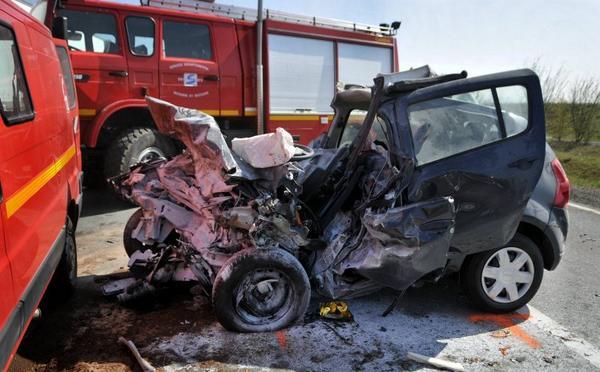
(186, 40)
(15, 102)
(91, 31)
(65, 66)
(140, 34)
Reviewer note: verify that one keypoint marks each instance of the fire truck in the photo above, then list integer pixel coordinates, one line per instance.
(204, 56)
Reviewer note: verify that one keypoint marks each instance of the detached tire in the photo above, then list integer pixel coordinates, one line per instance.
(504, 279)
(135, 145)
(260, 290)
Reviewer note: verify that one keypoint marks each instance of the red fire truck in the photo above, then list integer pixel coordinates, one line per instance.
(203, 55)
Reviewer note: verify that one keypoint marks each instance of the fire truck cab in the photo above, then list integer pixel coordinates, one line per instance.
(202, 55)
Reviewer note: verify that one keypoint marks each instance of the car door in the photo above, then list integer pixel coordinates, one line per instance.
(482, 141)
(189, 72)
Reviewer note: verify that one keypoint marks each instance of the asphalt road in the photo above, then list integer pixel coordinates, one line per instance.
(571, 293)
(177, 331)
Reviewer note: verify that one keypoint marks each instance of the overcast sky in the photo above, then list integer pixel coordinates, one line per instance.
(477, 35)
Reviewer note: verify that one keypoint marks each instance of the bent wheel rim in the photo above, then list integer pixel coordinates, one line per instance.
(263, 296)
(148, 154)
(507, 275)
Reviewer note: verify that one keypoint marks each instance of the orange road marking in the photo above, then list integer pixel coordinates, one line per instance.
(508, 321)
(281, 339)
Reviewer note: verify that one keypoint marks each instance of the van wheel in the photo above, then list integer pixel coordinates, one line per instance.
(136, 145)
(504, 279)
(260, 290)
(63, 281)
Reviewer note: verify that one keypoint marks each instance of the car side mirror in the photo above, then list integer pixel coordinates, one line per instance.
(59, 28)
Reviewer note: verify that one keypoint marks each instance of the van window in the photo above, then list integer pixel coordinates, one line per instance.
(15, 102)
(186, 40)
(91, 31)
(65, 65)
(140, 34)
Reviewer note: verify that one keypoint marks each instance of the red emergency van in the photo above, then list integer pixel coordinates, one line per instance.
(202, 55)
(40, 170)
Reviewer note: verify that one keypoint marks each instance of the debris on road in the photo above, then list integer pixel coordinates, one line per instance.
(337, 310)
(144, 364)
(436, 362)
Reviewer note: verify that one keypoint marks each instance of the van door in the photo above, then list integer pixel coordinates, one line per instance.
(97, 52)
(481, 141)
(189, 72)
(142, 55)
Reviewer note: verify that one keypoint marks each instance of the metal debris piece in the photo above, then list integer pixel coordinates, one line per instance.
(436, 362)
(144, 364)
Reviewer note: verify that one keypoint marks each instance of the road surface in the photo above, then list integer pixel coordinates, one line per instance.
(559, 331)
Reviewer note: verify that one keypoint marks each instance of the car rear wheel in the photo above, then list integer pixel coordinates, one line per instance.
(136, 145)
(506, 278)
(260, 290)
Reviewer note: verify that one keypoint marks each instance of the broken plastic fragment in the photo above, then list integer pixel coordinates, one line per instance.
(266, 150)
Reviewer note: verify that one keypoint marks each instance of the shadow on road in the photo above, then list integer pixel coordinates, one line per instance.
(100, 200)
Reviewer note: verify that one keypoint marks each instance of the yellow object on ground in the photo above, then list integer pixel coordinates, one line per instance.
(335, 310)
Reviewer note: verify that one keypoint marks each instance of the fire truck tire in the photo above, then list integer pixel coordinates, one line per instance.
(134, 145)
(260, 290)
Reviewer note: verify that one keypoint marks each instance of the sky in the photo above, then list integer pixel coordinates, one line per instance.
(479, 36)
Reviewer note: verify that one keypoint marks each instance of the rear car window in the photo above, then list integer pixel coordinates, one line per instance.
(446, 126)
(186, 40)
(91, 31)
(65, 65)
(15, 101)
(140, 34)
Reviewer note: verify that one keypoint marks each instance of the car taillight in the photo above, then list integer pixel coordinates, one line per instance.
(563, 187)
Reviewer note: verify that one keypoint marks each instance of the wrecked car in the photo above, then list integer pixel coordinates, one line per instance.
(418, 177)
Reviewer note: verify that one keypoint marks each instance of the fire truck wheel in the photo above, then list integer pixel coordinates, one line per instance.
(260, 290)
(136, 145)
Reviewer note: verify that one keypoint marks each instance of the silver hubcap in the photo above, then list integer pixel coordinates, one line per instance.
(150, 153)
(507, 275)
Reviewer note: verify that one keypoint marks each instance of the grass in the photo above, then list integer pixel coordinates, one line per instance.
(582, 163)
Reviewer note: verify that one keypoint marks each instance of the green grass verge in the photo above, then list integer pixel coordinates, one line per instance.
(582, 163)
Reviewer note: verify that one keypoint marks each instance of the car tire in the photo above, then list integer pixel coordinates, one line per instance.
(489, 283)
(63, 281)
(131, 245)
(134, 145)
(271, 274)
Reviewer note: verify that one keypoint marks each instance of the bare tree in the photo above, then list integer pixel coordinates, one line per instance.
(584, 107)
(553, 81)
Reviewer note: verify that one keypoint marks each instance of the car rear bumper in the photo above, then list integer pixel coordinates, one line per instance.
(556, 234)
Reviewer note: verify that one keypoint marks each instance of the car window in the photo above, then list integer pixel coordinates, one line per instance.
(65, 65)
(15, 101)
(140, 34)
(450, 125)
(353, 124)
(515, 108)
(91, 31)
(186, 40)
